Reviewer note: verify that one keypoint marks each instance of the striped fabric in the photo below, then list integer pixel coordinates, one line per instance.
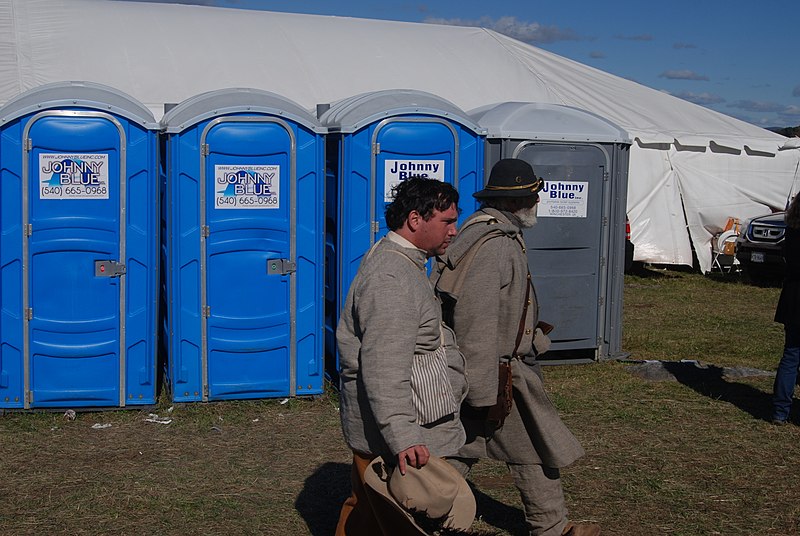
(431, 392)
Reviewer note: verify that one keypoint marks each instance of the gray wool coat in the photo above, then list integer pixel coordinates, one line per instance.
(486, 319)
(391, 315)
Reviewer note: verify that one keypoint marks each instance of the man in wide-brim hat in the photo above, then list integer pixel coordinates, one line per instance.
(489, 300)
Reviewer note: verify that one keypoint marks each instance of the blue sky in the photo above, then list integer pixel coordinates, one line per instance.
(737, 57)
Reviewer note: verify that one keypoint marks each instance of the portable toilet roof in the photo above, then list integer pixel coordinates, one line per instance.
(544, 121)
(236, 100)
(78, 94)
(353, 113)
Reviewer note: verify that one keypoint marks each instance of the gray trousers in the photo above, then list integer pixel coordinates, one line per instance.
(541, 493)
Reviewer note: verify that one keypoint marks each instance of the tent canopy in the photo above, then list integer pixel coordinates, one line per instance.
(691, 167)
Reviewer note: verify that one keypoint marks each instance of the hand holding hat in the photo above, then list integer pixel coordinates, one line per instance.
(432, 497)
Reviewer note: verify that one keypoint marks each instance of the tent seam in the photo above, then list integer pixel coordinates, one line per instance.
(493, 35)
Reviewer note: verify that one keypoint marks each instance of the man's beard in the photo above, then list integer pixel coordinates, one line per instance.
(527, 216)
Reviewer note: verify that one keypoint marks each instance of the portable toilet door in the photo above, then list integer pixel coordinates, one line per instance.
(576, 249)
(385, 137)
(245, 192)
(79, 249)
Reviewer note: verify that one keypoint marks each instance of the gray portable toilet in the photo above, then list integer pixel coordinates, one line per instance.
(576, 251)
(244, 187)
(79, 248)
(375, 141)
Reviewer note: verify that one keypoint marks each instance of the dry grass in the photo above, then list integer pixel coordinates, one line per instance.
(234, 468)
(690, 457)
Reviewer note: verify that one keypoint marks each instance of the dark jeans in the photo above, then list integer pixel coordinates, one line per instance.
(786, 377)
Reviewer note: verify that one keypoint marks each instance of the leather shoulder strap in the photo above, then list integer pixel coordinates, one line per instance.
(521, 328)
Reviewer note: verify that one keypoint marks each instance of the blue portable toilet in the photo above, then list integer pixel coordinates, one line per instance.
(376, 140)
(245, 247)
(576, 251)
(79, 249)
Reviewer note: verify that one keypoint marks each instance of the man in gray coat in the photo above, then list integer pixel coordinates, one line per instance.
(402, 376)
(490, 302)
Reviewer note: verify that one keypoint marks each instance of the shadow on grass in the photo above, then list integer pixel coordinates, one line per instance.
(323, 493)
(648, 271)
(321, 498)
(737, 276)
(727, 277)
(741, 277)
(711, 381)
(497, 514)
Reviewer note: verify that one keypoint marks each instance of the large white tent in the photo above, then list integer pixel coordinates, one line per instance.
(691, 168)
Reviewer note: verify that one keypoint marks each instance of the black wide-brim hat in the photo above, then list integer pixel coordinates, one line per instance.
(511, 177)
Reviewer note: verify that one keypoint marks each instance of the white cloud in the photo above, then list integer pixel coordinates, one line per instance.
(529, 32)
(791, 111)
(684, 74)
(703, 99)
(640, 37)
(758, 106)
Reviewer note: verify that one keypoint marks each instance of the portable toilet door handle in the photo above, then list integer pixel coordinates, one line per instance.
(108, 268)
(281, 266)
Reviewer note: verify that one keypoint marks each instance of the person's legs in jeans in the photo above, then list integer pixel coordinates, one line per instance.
(786, 376)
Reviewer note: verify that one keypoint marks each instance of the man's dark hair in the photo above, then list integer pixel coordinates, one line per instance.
(422, 195)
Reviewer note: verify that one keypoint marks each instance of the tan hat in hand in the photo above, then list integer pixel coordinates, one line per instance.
(431, 497)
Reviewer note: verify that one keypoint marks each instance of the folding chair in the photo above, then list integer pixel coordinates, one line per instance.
(723, 249)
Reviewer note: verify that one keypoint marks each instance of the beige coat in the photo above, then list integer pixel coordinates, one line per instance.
(392, 315)
(486, 320)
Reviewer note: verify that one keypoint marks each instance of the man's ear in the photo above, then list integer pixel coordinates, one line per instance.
(413, 220)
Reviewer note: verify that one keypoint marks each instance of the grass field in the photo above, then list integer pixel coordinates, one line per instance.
(690, 455)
